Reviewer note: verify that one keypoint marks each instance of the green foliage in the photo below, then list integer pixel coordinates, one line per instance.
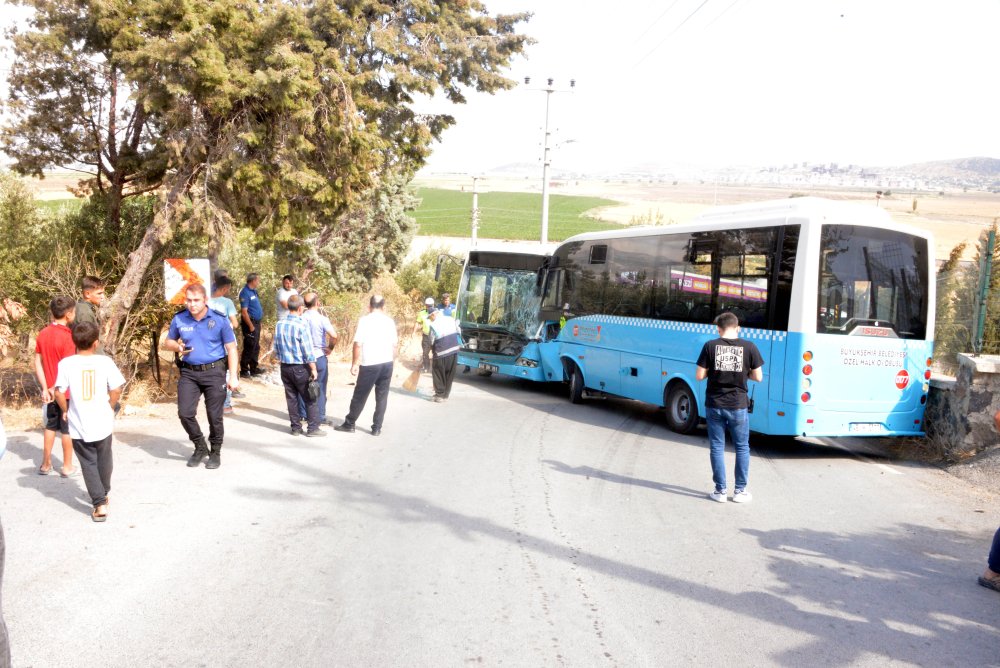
(70, 105)
(957, 287)
(416, 278)
(350, 251)
(28, 240)
(85, 227)
(505, 215)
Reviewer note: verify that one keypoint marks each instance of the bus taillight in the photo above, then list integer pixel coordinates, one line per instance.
(807, 356)
(929, 361)
(806, 397)
(927, 374)
(807, 369)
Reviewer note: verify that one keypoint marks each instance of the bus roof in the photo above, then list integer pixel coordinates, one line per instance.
(763, 214)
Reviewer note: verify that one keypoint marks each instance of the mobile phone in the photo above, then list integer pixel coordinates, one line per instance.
(186, 351)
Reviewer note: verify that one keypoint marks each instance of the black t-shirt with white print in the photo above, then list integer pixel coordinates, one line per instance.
(729, 362)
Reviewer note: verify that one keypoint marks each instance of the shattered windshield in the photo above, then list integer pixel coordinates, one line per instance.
(500, 298)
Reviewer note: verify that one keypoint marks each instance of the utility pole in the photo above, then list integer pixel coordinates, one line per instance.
(549, 89)
(475, 210)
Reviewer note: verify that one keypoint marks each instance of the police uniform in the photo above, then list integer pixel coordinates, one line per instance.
(202, 372)
(250, 300)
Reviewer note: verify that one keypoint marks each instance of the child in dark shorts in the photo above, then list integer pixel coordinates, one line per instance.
(54, 343)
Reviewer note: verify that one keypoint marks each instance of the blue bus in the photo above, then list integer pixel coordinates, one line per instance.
(838, 297)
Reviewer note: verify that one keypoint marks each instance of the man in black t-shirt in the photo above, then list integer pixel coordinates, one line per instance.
(727, 362)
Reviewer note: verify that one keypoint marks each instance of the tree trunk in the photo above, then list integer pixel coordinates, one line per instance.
(157, 235)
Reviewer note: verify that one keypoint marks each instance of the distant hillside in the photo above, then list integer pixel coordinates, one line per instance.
(958, 169)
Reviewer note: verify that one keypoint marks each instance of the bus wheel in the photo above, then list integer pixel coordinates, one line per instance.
(682, 409)
(575, 384)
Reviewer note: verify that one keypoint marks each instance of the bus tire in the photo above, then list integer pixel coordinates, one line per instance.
(682, 409)
(575, 384)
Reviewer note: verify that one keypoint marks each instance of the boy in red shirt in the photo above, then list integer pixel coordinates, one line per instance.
(53, 344)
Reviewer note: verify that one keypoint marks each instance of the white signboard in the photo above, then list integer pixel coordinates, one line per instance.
(179, 273)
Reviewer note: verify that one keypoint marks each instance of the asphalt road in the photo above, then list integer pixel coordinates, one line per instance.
(504, 527)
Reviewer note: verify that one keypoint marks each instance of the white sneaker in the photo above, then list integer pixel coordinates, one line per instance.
(718, 496)
(742, 496)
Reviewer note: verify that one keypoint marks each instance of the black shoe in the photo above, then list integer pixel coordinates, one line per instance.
(317, 432)
(197, 458)
(297, 432)
(246, 375)
(344, 427)
(376, 431)
(214, 460)
(200, 452)
(258, 372)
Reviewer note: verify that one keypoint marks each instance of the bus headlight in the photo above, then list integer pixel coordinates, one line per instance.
(521, 361)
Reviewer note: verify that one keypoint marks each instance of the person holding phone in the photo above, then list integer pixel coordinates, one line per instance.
(206, 346)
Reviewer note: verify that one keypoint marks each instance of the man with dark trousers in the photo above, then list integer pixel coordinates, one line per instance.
(293, 347)
(206, 344)
(251, 313)
(444, 332)
(375, 343)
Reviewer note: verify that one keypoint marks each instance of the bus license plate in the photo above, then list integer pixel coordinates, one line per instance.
(867, 427)
(489, 367)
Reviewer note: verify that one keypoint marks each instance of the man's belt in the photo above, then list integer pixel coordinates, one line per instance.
(202, 367)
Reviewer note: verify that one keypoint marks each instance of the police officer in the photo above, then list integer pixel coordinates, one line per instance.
(205, 341)
(251, 313)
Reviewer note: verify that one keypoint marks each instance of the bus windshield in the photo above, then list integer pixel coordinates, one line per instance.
(503, 298)
(875, 277)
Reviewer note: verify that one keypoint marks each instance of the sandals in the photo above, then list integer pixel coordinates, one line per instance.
(66, 473)
(989, 583)
(44, 471)
(100, 513)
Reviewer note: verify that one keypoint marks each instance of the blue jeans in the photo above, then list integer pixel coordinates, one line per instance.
(322, 369)
(737, 422)
(994, 562)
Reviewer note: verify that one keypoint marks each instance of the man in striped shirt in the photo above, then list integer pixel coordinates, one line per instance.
(293, 347)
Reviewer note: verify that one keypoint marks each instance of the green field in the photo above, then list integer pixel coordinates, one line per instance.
(503, 215)
(448, 213)
(59, 205)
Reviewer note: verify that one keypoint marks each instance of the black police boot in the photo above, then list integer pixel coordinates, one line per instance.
(215, 458)
(200, 452)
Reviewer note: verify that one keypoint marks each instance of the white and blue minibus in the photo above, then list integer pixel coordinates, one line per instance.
(838, 298)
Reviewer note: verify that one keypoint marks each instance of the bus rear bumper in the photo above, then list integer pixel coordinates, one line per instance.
(813, 422)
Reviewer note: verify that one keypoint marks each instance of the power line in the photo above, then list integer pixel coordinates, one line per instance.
(712, 22)
(655, 21)
(671, 33)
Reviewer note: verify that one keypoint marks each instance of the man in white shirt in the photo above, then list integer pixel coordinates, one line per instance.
(284, 292)
(375, 344)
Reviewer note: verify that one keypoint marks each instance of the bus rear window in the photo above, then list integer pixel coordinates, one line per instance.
(873, 279)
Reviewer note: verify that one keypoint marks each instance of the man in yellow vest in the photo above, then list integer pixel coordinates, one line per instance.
(424, 328)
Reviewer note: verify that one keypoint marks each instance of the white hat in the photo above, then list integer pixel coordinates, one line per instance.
(429, 301)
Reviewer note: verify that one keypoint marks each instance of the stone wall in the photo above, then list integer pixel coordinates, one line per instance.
(959, 417)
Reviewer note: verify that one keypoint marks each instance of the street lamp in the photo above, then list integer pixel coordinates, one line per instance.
(549, 88)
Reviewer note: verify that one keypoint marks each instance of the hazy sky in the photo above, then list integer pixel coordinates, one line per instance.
(733, 82)
(718, 82)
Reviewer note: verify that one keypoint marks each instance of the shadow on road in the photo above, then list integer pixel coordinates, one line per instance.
(161, 448)
(636, 417)
(856, 595)
(590, 472)
(69, 491)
